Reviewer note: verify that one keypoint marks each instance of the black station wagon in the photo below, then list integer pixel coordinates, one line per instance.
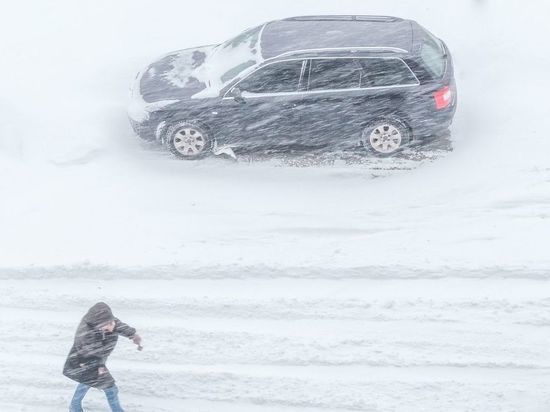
(332, 82)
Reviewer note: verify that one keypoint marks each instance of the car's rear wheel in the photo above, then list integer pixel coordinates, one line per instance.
(189, 140)
(386, 136)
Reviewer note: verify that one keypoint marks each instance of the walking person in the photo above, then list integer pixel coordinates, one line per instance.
(95, 339)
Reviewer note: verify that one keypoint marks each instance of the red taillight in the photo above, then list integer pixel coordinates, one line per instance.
(443, 98)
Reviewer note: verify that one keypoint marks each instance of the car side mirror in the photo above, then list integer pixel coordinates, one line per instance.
(237, 95)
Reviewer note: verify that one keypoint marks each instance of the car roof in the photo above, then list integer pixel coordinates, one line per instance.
(332, 33)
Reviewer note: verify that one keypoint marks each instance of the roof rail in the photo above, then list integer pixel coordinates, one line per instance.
(378, 18)
(350, 49)
(344, 18)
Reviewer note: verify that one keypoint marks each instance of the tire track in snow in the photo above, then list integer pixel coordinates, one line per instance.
(173, 272)
(372, 391)
(425, 346)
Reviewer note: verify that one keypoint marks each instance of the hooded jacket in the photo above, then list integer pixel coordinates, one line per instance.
(92, 347)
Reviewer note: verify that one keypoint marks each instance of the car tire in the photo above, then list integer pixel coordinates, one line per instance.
(385, 136)
(189, 140)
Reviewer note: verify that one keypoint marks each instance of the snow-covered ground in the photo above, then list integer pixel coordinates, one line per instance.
(289, 344)
(411, 284)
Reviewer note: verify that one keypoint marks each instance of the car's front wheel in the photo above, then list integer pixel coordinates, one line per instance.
(189, 140)
(386, 136)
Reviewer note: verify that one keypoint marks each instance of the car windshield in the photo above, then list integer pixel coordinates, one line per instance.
(250, 37)
(236, 55)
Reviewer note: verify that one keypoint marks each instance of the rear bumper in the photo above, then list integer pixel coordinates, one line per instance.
(435, 124)
(432, 121)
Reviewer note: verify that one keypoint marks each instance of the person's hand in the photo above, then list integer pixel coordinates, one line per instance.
(102, 370)
(137, 340)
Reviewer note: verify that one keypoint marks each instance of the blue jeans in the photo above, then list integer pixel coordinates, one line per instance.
(81, 391)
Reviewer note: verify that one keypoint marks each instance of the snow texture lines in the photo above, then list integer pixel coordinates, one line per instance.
(290, 344)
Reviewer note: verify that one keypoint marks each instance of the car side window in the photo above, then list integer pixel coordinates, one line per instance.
(433, 57)
(386, 72)
(334, 74)
(281, 77)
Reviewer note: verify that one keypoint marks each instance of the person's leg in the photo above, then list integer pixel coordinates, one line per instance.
(76, 402)
(112, 398)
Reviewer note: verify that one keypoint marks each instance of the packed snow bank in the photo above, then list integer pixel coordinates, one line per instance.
(144, 208)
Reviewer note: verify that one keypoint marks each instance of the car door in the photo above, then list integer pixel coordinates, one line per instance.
(344, 94)
(259, 111)
(387, 81)
(332, 102)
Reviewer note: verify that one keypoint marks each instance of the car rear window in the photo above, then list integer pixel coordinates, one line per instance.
(433, 56)
(386, 73)
(334, 74)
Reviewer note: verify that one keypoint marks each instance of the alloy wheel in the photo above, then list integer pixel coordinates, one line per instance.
(385, 138)
(189, 141)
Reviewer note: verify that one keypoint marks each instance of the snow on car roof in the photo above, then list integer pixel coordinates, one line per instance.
(330, 32)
